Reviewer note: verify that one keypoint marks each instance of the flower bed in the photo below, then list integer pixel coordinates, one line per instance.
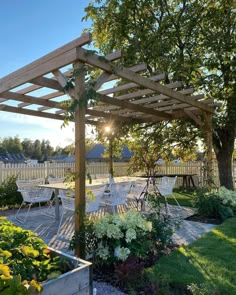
(27, 265)
(121, 246)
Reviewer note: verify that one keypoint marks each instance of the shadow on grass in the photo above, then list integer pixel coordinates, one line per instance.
(210, 260)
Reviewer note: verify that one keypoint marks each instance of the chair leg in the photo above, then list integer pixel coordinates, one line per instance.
(16, 217)
(50, 207)
(166, 207)
(28, 211)
(19, 209)
(59, 227)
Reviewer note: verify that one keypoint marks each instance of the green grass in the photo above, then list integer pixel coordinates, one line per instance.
(184, 199)
(211, 260)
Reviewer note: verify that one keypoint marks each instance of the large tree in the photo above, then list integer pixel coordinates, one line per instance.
(191, 40)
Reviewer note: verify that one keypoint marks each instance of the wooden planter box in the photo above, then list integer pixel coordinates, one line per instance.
(75, 282)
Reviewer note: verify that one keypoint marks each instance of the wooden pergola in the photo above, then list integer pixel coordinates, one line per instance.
(138, 99)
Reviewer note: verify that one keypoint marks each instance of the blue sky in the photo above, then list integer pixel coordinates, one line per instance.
(29, 30)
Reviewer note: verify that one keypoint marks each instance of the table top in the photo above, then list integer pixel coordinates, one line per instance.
(95, 183)
(171, 175)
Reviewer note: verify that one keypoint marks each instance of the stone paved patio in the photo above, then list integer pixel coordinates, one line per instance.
(46, 226)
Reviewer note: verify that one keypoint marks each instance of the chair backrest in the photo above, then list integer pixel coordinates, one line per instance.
(66, 193)
(137, 189)
(166, 186)
(93, 200)
(56, 180)
(169, 181)
(68, 203)
(29, 183)
(99, 176)
(36, 194)
(118, 194)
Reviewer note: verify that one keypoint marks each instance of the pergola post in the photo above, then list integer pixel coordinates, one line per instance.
(111, 171)
(209, 146)
(79, 153)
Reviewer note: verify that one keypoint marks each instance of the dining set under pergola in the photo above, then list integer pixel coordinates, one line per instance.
(39, 89)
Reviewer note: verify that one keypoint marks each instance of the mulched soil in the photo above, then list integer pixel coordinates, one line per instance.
(202, 219)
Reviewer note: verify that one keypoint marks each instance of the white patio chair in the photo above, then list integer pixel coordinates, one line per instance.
(56, 179)
(165, 188)
(118, 195)
(93, 199)
(138, 192)
(32, 195)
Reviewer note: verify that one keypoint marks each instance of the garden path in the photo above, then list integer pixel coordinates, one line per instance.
(46, 227)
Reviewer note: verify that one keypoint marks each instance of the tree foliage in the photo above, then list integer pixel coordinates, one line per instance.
(192, 40)
(154, 142)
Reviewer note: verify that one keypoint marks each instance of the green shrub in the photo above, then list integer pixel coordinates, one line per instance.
(117, 237)
(216, 203)
(9, 196)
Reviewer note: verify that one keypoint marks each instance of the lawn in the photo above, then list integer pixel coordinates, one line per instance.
(183, 198)
(209, 260)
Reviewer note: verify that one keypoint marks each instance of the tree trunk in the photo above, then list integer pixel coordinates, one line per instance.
(224, 160)
(224, 147)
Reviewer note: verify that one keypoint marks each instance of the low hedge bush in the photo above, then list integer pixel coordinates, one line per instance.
(216, 203)
(9, 196)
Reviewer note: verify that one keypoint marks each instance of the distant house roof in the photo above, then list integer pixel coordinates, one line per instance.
(98, 150)
(62, 158)
(12, 158)
(96, 154)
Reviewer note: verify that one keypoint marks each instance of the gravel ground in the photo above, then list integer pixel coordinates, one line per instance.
(105, 289)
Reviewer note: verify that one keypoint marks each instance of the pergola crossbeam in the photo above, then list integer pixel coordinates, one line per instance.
(94, 60)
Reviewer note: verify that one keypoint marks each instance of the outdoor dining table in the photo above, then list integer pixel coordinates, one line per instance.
(70, 185)
(188, 178)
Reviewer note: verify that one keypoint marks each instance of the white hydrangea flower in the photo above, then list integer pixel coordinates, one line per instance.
(121, 253)
(113, 231)
(130, 235)
(103, 251)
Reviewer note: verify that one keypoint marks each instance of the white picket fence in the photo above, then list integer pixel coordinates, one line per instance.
(26, 171)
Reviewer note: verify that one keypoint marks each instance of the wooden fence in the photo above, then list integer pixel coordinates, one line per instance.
(27, 171)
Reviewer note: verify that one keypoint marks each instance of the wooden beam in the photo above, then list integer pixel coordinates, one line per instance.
(194, 118)
(58, 58)
(131, 106)
(106, 77)
(10, 109)
(16, 110)
(62, 80)
(161, 96)
(46, 97)
(170, 104)
(144, 100)
(130, 85)
(31, 99)
(94, 60)
(111, 57)
(46, 82)
(29, 89)
(108, 116)
(179, 105)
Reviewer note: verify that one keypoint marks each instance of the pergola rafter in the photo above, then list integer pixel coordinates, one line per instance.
(137, 98)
